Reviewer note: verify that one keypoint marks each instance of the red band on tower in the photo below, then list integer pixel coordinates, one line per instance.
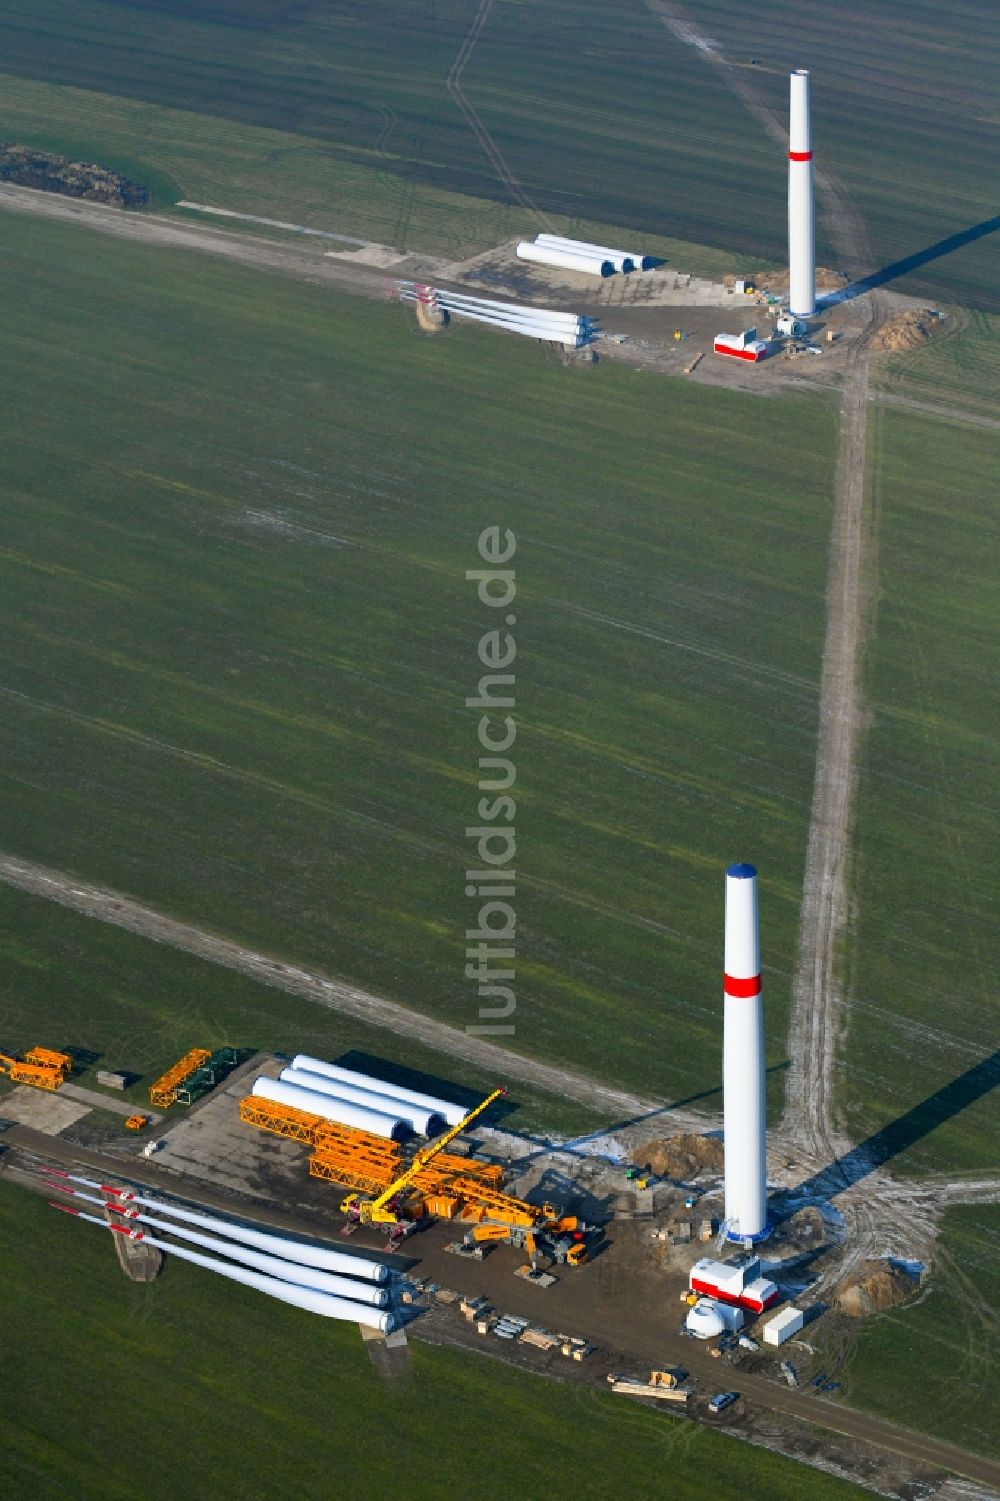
(750, 987)
(800, 156)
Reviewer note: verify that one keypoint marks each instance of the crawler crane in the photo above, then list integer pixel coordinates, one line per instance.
(385, 1209)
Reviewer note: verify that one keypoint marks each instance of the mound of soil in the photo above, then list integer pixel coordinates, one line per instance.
(682, 1157)
(777, 281)
(874, 1287)
(907, 330)
(52, 173)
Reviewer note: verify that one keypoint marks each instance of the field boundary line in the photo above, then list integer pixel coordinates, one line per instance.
(122, 912)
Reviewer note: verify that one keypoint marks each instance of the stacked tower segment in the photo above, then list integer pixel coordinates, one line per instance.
(743, 1062)
(801, 210)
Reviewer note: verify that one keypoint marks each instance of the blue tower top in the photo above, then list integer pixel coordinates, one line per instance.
(742, 872)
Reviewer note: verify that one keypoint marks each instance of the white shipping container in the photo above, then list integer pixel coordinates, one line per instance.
(784, 1324)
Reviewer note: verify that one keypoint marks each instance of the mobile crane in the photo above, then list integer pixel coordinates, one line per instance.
(384, 1210)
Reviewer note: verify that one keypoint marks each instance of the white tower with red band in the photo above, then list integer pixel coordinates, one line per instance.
(801, 213)
(743, 1062)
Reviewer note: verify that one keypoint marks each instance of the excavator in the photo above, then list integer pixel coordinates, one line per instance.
(386, 1209)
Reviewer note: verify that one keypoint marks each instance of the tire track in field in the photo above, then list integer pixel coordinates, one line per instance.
(453, 83)
(817, 1001)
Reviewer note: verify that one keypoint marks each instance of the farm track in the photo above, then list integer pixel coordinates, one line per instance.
(156, 229)
(817, 1004)
(123, 912)
(453, 83)
(884, 1215)
(816, 1000)
(944, 414)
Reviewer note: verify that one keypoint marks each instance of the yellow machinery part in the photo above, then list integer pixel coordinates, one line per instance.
(382, 1211)
(342, 1155)
(164, 1091)
(49, 1058)
(136, 1122)
(335, 1170)
(281, 1120)
(444, 1206)
(41, 1078)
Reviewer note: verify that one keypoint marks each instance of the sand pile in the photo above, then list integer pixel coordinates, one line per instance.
(682, 1157)
(777, 281)
(876, 1286)
(907, 330)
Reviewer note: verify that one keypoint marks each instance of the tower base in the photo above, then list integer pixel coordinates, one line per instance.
(754, 1240)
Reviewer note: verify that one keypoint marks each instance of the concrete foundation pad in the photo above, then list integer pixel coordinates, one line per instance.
(46, 1111)
(94, 1101)
(213, 1145)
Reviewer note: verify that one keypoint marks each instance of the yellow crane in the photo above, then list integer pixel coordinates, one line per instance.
(380, 1211)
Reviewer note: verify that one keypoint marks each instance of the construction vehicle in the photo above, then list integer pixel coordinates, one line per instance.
(387, 1208)
(562, 1240)
(136, 1122)
(395, 1193)
(43, 1068)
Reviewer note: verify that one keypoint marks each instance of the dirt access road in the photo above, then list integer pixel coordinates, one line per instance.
(123, 912)
(817, 1001)
(299, 261)
(599, 1307)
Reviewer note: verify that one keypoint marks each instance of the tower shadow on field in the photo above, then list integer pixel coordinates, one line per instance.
(910, 263)
(904, 1132)
(578, 1144)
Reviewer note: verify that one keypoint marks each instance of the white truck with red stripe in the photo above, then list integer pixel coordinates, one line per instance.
(737, 1282)
(744, 346)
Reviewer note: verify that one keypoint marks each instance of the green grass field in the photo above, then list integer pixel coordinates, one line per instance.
(184, 154)
(959, 369)
(123, 1002)
(240, 640)
(342, 110)
(932, 1365)
(239, 515)
(924, 951)
(195, 1386)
